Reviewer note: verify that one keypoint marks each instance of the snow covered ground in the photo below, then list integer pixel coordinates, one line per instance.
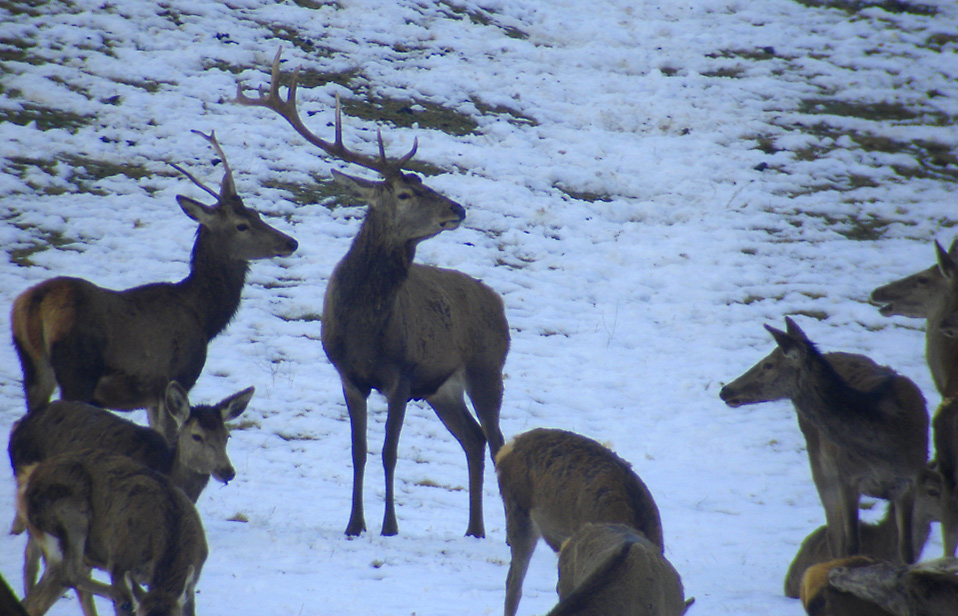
(647, 184)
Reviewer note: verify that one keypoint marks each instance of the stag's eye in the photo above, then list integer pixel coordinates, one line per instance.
(242, 227)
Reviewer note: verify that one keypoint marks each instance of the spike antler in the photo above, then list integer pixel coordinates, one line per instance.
(287, 109)
(228, 186)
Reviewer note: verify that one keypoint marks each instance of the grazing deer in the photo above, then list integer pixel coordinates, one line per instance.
(119, 349)
(866, 435)
(879, 540)
(554, 482)
(409, 331)
(819, 598)
(198, 451)
(614, 570)
(104, 510)
(925, 589)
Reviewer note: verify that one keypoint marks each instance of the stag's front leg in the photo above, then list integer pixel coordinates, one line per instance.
(356, 405)
(395, 415)
(848, 501)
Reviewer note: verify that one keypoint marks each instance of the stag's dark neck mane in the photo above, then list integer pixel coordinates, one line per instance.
(373, 270)
(215, 284)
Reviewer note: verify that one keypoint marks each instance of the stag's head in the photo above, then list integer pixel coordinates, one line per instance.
(408, 210)
(236, 229)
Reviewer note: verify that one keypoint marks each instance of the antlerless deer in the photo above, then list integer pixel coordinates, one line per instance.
(409, 331)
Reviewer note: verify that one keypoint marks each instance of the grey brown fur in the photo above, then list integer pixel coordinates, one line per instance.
(409, 331)
(866, 435)
(614, 570)
(119, 349)
(879, 540)
(554, 482)
(104, 510)
(926, 589)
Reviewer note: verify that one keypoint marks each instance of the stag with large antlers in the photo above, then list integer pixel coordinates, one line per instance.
(409, 331)
(120, 349)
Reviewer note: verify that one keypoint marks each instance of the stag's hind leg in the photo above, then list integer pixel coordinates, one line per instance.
(450, 407)
(484, 386)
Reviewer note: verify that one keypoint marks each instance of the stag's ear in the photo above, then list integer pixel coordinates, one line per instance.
(357, 187)
(199, 212)
(177, 403)
(233, 406)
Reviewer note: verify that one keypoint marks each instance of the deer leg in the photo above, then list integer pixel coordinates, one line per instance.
(356, 405)
(395, 415)
(78, 366)
(485, 390)
(904, 514)
(949, 517)
(454, 414)
(522, 537)
(38, 378)
(31, 564)
(47, 591)
(848, 502)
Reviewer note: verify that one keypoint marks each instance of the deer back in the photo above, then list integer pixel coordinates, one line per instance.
(614, 570)
(128, 518)
(565, 480)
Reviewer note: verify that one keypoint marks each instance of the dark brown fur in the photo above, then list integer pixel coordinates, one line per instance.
(819, 598)
(119, 349)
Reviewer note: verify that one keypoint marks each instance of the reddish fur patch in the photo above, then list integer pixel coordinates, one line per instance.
(816, 577)
(42, 315)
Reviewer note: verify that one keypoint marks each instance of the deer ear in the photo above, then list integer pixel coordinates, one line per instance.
(177, 403)
(357, 187)
(199, 212)
(946, 264)
(789, 345)
(233, 406)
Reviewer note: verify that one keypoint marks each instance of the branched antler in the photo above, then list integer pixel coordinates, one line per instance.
(287, 109)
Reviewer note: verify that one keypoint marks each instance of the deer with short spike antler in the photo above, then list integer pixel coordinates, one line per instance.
(119, 349)
(409, 331)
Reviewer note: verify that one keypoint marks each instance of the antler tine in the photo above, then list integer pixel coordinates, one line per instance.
(228, 186)
(194, 180)
(287, 110)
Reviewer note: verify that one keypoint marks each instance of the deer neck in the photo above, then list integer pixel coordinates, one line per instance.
(840, 411)
(373, 271)
(215, 283)
(941, 351)
(186, 479)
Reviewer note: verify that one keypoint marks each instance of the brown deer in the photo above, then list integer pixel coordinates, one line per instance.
(819, 598)
(409, 331)
(925, 589)
(199, 449)
(879, 540)
(614, 570)
(935, 292)
(119, 349)
(99, 509)
(866, 435)
(554, 482)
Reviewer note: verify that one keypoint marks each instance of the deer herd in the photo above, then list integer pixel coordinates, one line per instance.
(97, 491)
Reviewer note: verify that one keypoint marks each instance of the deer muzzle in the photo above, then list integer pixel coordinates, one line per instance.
(224, 474)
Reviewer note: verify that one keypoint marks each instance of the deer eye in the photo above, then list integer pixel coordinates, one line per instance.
(242, 227)
(768, 365)
(402, 196)
(197, 438)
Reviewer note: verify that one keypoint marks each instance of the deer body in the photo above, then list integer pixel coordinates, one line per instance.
(871, 440)
(554, 482)
(64, 427)
(119, 349)
(104, 510)
(408, 331)
(879, 540)
(614, 570)
(925, 589)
